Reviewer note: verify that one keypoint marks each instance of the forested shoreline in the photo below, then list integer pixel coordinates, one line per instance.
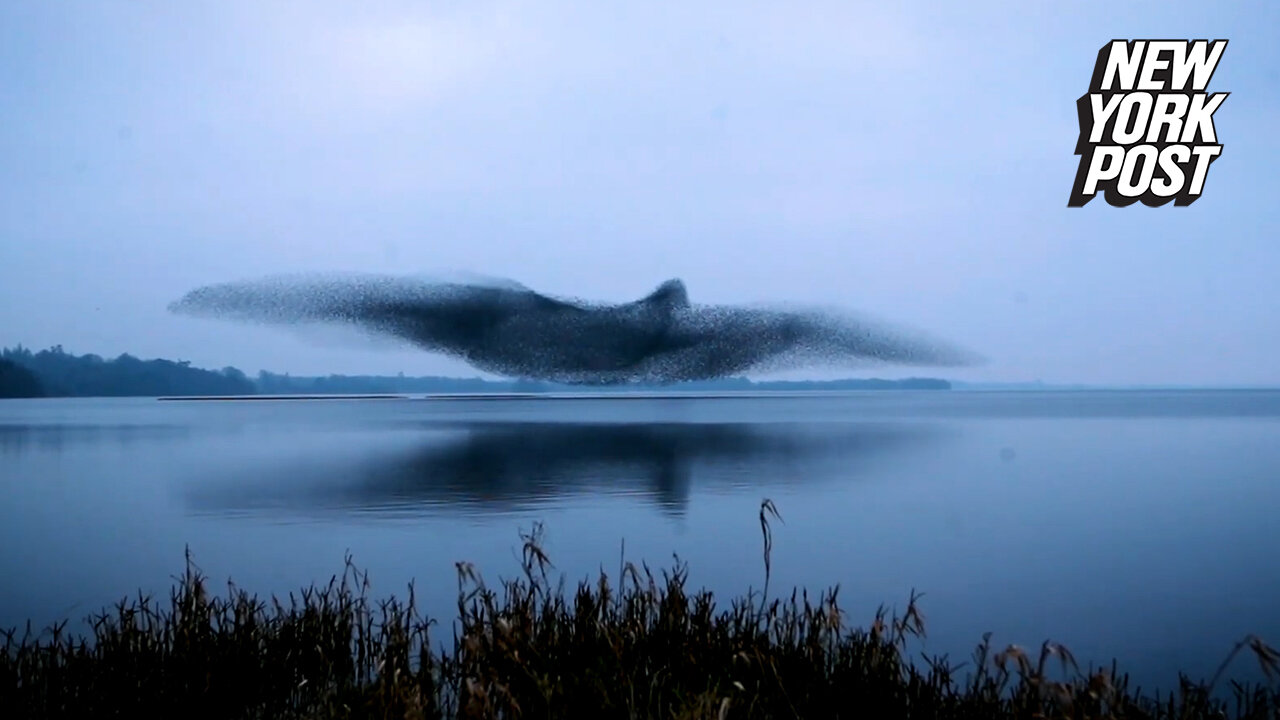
(57, 373)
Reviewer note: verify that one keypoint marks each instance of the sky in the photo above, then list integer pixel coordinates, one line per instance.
(907, 161)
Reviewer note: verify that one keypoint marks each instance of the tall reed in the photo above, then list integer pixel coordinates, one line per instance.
(641, 644)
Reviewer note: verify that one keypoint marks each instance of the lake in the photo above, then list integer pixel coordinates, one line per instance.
(1140, 526)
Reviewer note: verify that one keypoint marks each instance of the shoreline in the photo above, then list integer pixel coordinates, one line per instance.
(641, 644)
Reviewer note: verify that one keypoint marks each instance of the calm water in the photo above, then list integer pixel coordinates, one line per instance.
(1135, 525)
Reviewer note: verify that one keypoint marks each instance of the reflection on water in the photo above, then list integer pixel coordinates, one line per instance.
(484, 467)
(16, 440)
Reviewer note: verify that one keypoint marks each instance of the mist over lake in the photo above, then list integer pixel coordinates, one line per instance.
(1133, 525)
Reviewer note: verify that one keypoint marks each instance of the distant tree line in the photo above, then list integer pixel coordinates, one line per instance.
(60, 373)
(55, 372)
(18, 382)
(272, 384)
(276, 384)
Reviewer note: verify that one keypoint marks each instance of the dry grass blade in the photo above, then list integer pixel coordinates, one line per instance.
(767, 510)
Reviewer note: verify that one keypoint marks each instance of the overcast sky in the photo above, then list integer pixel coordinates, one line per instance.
(912, 162)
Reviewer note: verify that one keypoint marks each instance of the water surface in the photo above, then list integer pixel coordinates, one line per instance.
(1133, 525)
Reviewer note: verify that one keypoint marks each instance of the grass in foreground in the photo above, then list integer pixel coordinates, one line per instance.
(642, 645)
